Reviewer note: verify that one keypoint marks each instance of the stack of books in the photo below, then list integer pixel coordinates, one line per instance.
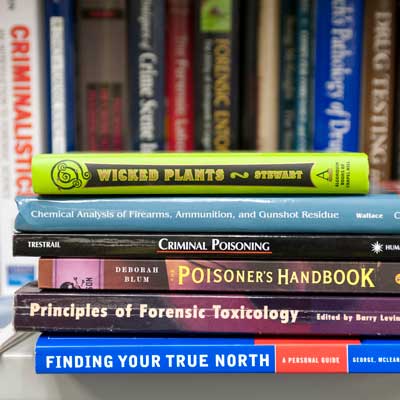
(210, 262)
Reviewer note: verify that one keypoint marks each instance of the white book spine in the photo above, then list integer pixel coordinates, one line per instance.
(57, 79)
(22, 129)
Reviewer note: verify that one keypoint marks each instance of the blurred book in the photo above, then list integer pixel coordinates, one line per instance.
(102, 66)
(268, 76)
(60, 74)
(22, 125)
(217, 75)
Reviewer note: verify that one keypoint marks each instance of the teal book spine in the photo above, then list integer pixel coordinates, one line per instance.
(375, 213)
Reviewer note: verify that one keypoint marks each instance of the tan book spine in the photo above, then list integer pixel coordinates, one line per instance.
(45, 276)
(378, 86)
(268, 76)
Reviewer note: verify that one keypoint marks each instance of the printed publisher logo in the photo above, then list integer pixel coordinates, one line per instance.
(397, 279)
(326, 175)
(377, 247)
(68, 174)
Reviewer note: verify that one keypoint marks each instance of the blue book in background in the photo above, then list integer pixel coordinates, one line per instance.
(146, 44)
(119, 354)
(338, 56)
(60, 75)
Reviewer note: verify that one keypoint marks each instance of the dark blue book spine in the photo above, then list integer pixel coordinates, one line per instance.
(338, 55)
(60, 75)
(303, 78)
(287, 113)
(146, 43)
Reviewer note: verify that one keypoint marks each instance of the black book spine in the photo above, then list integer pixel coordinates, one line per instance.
(287, 74)
(249, 15)
(270, 247)
(160, 313)
(396, 111)
(146, 43)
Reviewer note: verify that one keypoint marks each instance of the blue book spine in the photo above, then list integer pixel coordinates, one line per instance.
(287, 74)
(378, 213)
(57, 355)
(60, 75)
(304, 42)
(105, 355)
(146, 42)
(338, 56)
(374, 356)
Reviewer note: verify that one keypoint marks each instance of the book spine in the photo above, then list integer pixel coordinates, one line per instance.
(60, 75)
(248, 26)
(202, 173)
(287, 74)
(179, 74)
(338, 49)
(378, 86)
(334, 356)
(395, 170)
(219, 275)
(303, 75)
(102, 82)
(370, 214)
(207, 246)
(146, 43)
(22, 125)
(268, 76)
(60, 354)
(216, 75)
(162, 313)
(206, 356)
(374, 356)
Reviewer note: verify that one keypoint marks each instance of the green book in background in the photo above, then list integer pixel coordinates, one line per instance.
(200, 173)
(216, 74)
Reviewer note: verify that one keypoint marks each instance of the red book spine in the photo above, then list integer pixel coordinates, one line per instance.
(102, 81)
(309, 356)
(179, 75)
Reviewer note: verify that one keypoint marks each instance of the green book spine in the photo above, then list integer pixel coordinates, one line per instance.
(200, 173)
(216, 76)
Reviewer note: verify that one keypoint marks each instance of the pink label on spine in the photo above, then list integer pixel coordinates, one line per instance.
(78, 273)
